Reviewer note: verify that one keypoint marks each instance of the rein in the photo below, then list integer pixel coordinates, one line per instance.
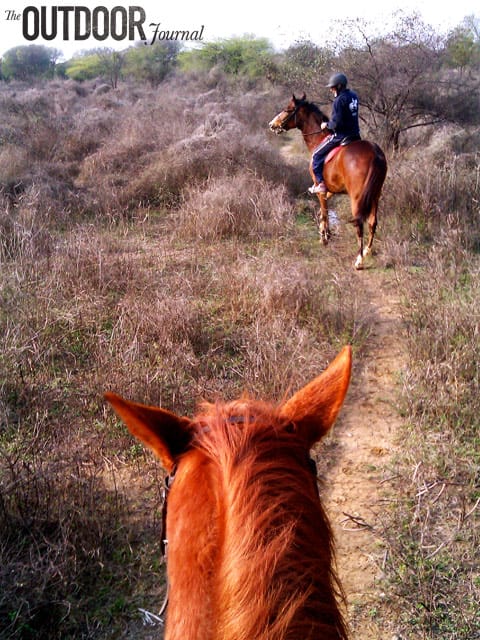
(166, 490)
(312, 133)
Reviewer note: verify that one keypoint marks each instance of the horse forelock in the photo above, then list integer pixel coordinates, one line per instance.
(224, 427)
(276, 553)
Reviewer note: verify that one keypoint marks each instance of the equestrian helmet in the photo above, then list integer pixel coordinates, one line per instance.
(336, 79)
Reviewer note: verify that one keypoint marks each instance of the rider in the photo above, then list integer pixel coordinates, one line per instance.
(343, 124)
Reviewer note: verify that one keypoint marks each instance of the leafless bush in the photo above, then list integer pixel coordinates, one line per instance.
(425, 196)
(60, 526)
(44, 200)
(13, 162)
(167, 144)
(88, 307)
(22, 236)
(239, 205)
(160, 177)
(140, 149)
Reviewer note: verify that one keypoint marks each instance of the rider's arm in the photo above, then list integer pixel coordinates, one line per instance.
(336, 116)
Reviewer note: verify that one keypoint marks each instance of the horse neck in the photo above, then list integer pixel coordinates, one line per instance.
(310, 126)
(275, 558)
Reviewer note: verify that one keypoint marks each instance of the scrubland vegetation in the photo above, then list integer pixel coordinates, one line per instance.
(156, 240)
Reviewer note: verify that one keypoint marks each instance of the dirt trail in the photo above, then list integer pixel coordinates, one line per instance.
(366, 438)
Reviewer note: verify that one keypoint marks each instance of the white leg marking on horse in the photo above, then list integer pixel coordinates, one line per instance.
(359, 263)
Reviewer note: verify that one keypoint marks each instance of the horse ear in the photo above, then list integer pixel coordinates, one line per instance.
(314, 408)
(165, 433)
(304, 97)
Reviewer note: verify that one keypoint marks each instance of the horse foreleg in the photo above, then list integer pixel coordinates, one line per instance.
(323, 226)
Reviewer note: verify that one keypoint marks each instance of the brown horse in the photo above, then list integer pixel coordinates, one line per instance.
(359, 169)
(249, 546)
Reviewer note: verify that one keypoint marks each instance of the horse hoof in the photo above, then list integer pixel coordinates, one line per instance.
(324, 236)
(359, 263)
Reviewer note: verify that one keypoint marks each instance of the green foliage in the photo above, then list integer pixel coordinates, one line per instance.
(106, 63)
(304, 64)
(27, 62)
(463, 45)
(85, 67)
(152, 63)
(248, 56)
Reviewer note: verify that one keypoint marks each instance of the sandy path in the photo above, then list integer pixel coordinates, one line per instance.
(365, 442)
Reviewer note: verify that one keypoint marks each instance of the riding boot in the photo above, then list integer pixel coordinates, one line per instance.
(318, 188)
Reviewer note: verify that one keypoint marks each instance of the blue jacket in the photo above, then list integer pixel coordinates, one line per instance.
(344, 118)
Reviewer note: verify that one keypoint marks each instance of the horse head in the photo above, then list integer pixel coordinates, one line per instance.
(249, 545)
(287, 118)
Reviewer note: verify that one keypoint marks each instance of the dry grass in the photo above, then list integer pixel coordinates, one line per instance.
(433, 534)
(154, 316)
(213, 286)
(102, 314)
(238, 205)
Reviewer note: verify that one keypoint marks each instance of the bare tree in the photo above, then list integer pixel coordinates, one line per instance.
(391, 71)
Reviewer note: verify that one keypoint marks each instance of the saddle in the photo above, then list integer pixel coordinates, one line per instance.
(347, 140)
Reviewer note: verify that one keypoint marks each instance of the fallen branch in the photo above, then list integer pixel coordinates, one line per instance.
(358, 520)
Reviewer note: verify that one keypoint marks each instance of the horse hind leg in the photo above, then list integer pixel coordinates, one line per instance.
(372, 226)
(358, 223)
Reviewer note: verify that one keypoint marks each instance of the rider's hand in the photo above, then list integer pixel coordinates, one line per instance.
(324, 125)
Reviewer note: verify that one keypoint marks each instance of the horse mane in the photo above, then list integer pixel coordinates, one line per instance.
(273, 522)
(312, 108)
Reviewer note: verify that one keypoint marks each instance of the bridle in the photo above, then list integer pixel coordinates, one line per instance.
(293, 114)
(167, 485)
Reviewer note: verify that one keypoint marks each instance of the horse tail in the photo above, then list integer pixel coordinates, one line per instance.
(374, 183)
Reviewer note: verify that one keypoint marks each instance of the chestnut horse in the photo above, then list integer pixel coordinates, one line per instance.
(358, 168)
(250, 553)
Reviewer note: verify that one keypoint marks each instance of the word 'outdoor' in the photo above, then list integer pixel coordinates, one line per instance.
(80, 23)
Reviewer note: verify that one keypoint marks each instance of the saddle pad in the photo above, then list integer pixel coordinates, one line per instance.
(331, 154)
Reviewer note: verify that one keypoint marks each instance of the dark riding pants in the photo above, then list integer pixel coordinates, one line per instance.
(321, 152)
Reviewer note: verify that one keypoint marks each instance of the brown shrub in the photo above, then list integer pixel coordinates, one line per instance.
(13, 163)
(240, 205)
(426, 191)
(88, 307)
(131, 172)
